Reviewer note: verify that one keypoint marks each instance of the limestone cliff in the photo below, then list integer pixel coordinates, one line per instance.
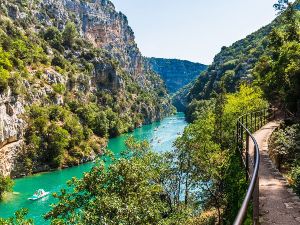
(103, 67)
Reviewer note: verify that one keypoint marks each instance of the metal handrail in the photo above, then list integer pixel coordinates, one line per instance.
(254, 180)
(253, 188)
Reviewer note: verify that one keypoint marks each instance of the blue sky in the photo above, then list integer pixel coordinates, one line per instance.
(193, 29)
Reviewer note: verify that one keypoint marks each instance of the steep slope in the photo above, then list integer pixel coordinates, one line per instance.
(233, 65)
(176, 73)
(180, 98)
(71, 75)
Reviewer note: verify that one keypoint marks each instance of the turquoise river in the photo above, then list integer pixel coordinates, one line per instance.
(161, 135)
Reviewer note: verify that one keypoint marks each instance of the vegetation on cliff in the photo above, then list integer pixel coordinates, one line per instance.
(233, 65)
(6, 185)
(274, 76)
(277, 71)
(202, 181)
(166, 188)
(176, 73)
(18, 218)
(72, 93)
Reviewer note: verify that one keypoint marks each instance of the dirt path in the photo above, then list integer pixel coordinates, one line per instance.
(278, 203)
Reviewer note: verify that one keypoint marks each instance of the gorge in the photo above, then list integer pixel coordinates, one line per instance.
(84, 115)
(160, 135)
(74, 56)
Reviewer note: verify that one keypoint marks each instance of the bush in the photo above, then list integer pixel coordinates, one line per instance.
(6, 185)
(295, 175)
(4, 76)
(18, 219)
(56, 137)
(59, 88)
(53, 36)
(15, 83)
(59, 61)
(69, 35)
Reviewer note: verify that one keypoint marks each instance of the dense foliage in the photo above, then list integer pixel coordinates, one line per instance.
(201, 180)
(284, 150)
(131, 190)
(278, 70)
(6, 185)
(208, 147)
(232, 66)
(56, 137)
(18, 219)
(176, 73)
(77, 95)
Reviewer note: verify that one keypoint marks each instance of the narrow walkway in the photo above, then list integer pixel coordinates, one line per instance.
(278, 203)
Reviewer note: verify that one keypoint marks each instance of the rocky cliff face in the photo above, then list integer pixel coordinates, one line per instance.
(105, 68)
(176, 73)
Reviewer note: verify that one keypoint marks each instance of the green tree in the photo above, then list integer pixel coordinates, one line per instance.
(69, 34)
(277, 71)
(54, 37)
(18, 219)
(101, 124)
(6, 185)
(128, 191)
(206, 162)
(4, 77)
(57, 140)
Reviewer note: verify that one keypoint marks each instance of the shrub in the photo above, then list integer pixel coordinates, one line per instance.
(19, 218)
(59, 88)
(58, 61)
(69, 35)
(295, 175)
(6, 185)
(15, 83)
(4, 76)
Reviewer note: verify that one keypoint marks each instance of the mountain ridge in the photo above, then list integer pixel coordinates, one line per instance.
(176, 72)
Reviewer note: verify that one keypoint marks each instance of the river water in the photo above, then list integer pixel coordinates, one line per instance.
(161, 136)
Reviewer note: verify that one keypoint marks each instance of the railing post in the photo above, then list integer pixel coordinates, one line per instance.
(255, 196)
(242, 131)
(247, 156)
(256, 203)
(237, 134)
(255, 125)
(251, 122)
(261, 119)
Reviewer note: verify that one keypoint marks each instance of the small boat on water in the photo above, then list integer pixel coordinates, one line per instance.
(38, 195)
(156, 129)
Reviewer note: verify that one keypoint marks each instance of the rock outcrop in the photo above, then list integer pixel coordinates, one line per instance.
(116, 69)
(102, 25)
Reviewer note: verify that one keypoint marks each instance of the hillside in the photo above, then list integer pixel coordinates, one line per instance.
(233, 65)
(71, 75)
(176, 73)
(180, 99)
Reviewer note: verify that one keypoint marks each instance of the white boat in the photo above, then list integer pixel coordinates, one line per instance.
(38, 195)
